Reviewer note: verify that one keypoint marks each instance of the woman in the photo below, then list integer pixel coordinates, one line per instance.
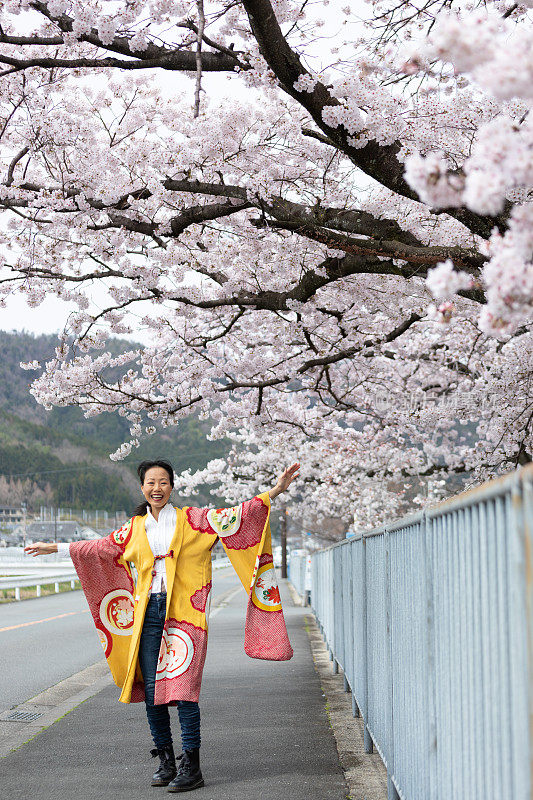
(154, 630)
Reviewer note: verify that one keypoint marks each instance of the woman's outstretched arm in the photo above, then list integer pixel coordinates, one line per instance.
(41, 548)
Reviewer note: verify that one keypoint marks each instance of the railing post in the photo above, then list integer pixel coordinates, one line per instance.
(353, 554)
(526, 485)
(392, 793)
(38, 593)
(355, 707)
(367, 739)
(17, 593)
(334, 616)
(338, 633)
(521, 605)
(427, 555)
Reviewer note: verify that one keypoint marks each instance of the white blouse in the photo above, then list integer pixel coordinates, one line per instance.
(159, 533)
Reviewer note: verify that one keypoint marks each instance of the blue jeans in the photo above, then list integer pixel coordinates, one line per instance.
(158, 716)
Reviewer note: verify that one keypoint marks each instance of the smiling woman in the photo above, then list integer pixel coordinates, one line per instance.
(154, 628)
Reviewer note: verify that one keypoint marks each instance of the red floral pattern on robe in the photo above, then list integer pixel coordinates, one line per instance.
(183, 647)
(241, 536)
(199, 598)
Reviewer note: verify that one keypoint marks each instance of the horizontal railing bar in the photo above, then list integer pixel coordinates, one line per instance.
(23, 583)
(21, 566)
(488, 490)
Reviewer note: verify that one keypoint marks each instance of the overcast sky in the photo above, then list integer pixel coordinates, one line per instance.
(49, 317)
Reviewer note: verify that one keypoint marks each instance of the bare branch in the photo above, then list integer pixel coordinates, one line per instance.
(196, 214)
(13, 164)
(31, 40)
(199, 36)
(210, 42)
(178, 60)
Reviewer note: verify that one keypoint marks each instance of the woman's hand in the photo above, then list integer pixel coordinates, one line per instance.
(41, 548)
(284, 480)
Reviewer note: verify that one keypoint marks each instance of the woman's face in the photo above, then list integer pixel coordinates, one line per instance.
(156, 487)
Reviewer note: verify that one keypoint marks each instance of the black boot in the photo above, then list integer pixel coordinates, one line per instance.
(189, 774)
(167, 767)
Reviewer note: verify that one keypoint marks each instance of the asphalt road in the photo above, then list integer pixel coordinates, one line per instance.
(265, 732)
(47, 639)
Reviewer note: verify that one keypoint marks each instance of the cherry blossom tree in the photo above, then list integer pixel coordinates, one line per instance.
(322, 225)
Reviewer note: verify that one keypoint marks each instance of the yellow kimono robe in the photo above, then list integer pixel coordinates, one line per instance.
(118, 605)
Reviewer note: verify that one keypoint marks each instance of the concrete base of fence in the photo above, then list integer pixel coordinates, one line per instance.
(365, 773)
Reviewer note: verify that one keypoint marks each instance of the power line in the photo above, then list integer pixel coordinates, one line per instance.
(47, 471)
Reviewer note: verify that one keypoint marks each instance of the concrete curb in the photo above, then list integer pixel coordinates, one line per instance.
(295, 597)
(47, 707)
(365, 773)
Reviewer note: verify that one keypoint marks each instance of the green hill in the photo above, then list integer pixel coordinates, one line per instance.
(60, 458)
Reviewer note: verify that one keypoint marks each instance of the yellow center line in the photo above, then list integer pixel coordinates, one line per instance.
(47, 619)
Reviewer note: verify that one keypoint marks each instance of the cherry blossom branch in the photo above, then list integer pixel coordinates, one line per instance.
(471, 261)
(51, 41)
(347, 220)
(233, 384)
(379, 161)
(152, 55)
(311, 222)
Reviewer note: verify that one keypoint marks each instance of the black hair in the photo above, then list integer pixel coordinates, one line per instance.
(142, 469)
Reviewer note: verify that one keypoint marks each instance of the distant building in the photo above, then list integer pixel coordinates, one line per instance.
(11, 515)
(67, 531)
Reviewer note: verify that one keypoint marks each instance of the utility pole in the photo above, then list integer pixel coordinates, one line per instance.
(55, 524)
(24, 523)
(283, 537)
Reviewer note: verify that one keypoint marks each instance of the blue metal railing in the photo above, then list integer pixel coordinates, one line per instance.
(430, 618)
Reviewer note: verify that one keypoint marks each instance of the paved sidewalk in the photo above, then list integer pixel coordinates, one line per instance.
(265, 732)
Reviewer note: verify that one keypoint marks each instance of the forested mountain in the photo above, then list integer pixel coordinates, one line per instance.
(59, 457)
